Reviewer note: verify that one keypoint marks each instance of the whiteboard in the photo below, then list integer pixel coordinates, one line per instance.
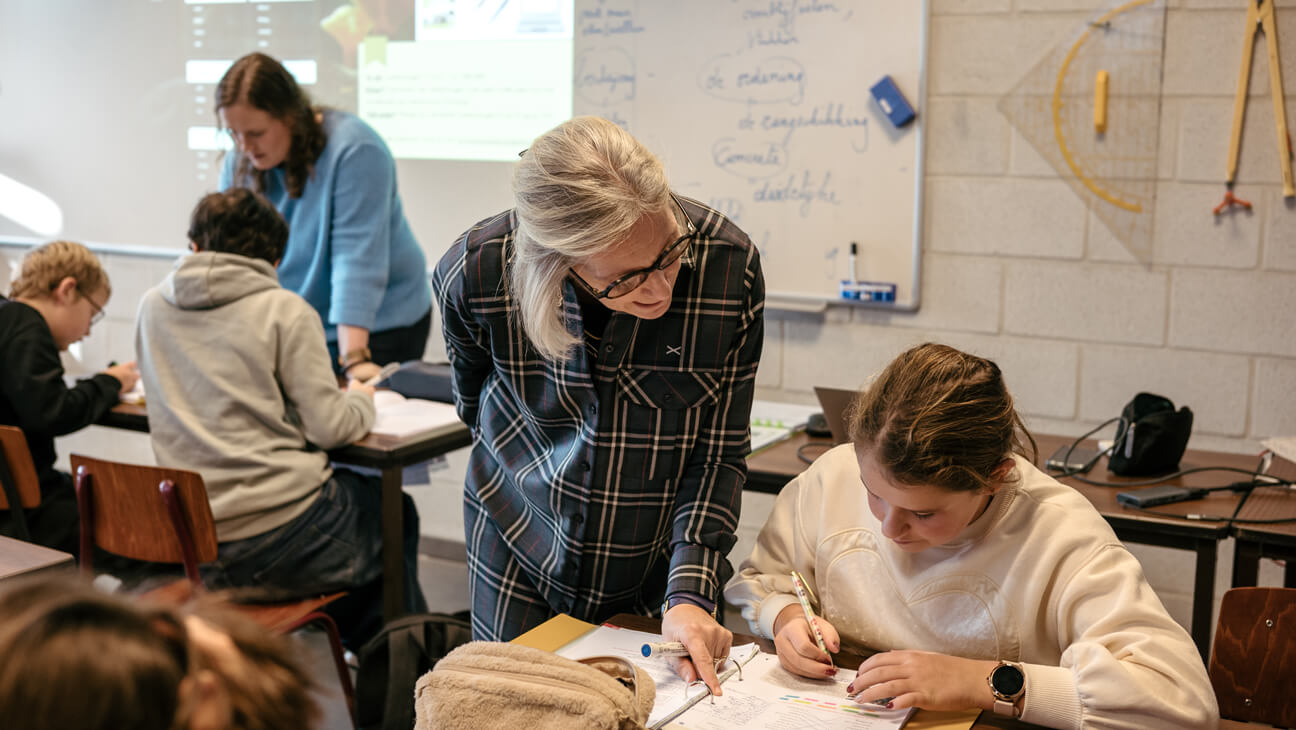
(761, 108)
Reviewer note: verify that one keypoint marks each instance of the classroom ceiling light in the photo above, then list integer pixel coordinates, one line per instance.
(29, 207)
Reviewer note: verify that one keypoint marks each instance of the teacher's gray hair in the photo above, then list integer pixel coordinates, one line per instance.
(577, 191)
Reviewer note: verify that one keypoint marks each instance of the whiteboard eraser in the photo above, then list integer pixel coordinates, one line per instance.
(867, 291)
(893, 103)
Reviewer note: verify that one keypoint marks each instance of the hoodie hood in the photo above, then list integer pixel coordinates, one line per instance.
(208, 280)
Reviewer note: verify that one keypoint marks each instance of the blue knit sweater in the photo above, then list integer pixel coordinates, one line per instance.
(350, 252)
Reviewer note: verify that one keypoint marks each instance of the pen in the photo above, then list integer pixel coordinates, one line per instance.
(663, 648)
(383, 374)
(853, 270)
(802, 591)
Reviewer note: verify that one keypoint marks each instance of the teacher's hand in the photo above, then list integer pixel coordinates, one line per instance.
(706, 640)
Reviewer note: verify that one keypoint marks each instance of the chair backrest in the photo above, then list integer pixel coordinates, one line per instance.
(1254, 657)
(18, 461)
(144, 512)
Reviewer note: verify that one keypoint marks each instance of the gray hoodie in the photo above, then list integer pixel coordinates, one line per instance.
(239, 388)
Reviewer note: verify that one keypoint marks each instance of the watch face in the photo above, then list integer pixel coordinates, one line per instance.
(1007, 680)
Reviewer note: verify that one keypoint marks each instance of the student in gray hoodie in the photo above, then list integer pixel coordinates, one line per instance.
(241, 390)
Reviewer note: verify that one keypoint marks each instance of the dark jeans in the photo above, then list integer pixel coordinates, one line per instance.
(399, 344)
(334, 545)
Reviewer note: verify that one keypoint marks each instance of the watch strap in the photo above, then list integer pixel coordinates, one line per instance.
(693, 600)
(1005, 708)
(354, 357)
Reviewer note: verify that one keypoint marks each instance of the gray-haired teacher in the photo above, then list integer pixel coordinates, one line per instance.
(604, 336)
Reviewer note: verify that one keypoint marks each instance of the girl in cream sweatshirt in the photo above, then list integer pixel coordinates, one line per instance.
(933, 541)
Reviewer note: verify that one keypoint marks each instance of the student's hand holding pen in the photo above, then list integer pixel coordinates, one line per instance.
(798, 649)
(127, 373)
(354, 385)
(706, 641)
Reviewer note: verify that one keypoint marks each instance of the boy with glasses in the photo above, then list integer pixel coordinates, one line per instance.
(60, 292)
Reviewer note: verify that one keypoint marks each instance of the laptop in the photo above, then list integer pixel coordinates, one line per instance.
(835, 402)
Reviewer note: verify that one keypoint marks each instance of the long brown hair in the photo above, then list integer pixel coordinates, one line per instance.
(268, 688)
(939, 416)
(76, 657)
(263, 83)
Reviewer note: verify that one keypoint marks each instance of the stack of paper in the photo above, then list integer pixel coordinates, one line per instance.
(134, 396)
(772, 421)
(400, 416)
(1284, 446)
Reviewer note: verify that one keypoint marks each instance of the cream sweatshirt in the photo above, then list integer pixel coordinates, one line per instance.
(1038, 578)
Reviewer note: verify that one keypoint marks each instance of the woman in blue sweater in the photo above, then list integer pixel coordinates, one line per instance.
(350, 252)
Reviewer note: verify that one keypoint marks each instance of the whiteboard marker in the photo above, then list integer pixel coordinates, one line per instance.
(663, 648)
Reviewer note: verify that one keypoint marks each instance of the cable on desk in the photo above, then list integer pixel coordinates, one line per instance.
(1258, 479)
(1089, 464)
(801, 451)
(1255, 474)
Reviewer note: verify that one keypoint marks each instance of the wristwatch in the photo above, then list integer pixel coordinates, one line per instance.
(1008, 683)
(354, 357)
(675, 600)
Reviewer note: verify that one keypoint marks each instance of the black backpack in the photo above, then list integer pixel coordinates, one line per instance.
(1150, 437)
(392, 661)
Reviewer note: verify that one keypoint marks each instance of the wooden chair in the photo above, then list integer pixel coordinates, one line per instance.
(1254, 656)
(162, 515)
(19, 485)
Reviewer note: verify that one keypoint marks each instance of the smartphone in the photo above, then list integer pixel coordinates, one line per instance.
(1076, 463)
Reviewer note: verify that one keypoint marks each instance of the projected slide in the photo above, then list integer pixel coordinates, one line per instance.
(480, 80)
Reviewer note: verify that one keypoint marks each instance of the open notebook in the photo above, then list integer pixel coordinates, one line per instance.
(401, 416)
(764, 695)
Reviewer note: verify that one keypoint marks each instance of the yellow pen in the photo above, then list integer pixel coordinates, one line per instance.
(804, 595)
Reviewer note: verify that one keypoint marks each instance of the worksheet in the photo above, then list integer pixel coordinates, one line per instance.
(763, 696)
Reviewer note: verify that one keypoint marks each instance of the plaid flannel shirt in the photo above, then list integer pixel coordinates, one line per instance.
(617, 481)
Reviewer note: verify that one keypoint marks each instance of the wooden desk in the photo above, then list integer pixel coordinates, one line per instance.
(1267, 541)
(769, 469)
(776, 465)
(388, 454)
(19, 559)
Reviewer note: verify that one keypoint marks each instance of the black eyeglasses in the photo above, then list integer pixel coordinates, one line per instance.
(627, 283)
(98, 311)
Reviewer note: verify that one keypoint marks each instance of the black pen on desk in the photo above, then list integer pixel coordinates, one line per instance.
(854, 249)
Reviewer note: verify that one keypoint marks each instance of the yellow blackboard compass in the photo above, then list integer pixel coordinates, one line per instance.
(1260, 17)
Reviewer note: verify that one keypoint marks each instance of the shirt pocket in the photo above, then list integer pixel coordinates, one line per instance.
(659, 418)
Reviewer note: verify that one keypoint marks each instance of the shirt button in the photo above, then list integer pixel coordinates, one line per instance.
(577, 519)
(585, 466)
(609, 349)
(667, 397)
(593, 409)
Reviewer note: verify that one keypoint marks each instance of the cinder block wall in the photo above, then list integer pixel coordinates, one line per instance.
(1017, 269)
